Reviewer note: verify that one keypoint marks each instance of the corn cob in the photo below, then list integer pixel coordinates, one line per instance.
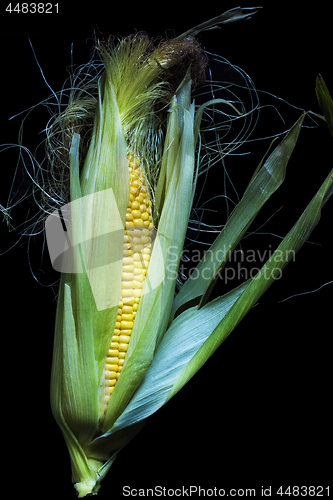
(136, 256)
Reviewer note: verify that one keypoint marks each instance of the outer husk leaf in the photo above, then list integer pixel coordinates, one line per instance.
(174, 202)
(198, 332)
(82, 332)
(269, 177)
(325, 101)
(256, 287)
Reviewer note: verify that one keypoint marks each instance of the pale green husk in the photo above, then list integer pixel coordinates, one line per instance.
(189, 325)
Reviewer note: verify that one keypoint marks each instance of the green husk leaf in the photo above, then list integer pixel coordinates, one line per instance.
(257, 286)
(269, 177)
(185, 336)
(235, 14)
(197, 333)
(325, 101)
(174, 198)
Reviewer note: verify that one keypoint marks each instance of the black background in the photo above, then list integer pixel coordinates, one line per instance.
(258, 412)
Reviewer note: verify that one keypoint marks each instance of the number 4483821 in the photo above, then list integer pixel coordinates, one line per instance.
(309, 491)
(33, 8)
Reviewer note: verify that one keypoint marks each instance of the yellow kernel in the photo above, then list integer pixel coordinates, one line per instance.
(127, 317)
(113, 353)
(123, 347)
(137, 272)
(121, 362)
(129, 224)
(121, 358)
(138, 277)
(110, 369)
(137, 293)
(128, 292)
(138, 232)
(135, 205)
(126, 325)
(138, 222)
(145, 240)
(127, 261)
(124, 339)
(112, 361)
(127, 309)
(114, 345)
(136, 214)
(137, 260)
(129, 301)
(128, 269)
(126, 332)
(129, 217)
(145, 216)
(127, 276)
(137, 284)
(137, 248)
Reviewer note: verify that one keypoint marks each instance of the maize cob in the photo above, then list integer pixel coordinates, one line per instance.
(136, 256)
